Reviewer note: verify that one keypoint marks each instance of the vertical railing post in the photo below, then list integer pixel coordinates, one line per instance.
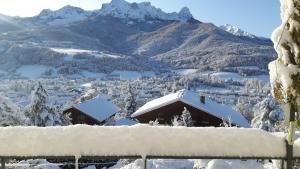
(76, 162)
(2, 163)
(144, 162)
(288, 164)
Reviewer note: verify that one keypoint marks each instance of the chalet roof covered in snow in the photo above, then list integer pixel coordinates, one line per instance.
(98, 108)
(192, 99)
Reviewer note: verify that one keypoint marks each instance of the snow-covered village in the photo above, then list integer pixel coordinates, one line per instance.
(134, 84)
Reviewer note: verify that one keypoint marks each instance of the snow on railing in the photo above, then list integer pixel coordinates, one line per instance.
(141, 141)
(83, 140)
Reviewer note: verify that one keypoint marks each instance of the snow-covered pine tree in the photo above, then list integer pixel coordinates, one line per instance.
(130, 101)
(39, 113)
(186, 118)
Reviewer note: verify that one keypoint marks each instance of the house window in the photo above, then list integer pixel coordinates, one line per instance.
(81, 119)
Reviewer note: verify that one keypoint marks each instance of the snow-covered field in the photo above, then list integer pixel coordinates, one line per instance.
(36, 71)
(72, 52)
(132, 75)
(94, 75)
(237, 77)
(186, 71)
(223, 75)
(32, 71)
(227, 76)
(2, 72)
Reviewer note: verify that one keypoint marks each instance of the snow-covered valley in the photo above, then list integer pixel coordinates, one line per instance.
(102, 67)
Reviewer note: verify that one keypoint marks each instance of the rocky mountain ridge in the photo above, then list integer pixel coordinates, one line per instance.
(142, 33)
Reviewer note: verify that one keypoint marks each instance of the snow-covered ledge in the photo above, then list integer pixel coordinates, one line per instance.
(140, 140)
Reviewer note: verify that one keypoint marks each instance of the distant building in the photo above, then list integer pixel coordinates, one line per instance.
(204, 111)
(93, 112)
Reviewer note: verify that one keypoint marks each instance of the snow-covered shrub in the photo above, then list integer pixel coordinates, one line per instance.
(194, 164)
(157, 164)
(36, 164)
(10, 113)
(154, 123)
(245, 108)
(234, 164)
(176, 121)
(226, 122)
(268, 115)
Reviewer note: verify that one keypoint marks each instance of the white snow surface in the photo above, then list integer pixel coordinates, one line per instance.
(193, 99)
(32, 71)
(35, 164)
(140, 140)
(192, 164)
(141, 11)
(94, 75)
(236, 31)
(99, 108)
(90, 167)
(186, 71)
(227, 76)
(73, 52)
(127, 75)
(132, 75)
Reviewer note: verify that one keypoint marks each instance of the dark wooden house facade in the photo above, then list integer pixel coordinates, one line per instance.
(96, 111)
(204, 111)
(79, 117)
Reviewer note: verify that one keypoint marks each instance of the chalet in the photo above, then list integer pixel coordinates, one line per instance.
(204, 111)
(93, 112)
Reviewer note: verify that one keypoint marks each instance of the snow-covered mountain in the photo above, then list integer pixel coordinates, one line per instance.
(236, 31)
(141, 11)
(143, 34)
(67, 14)
(116, 8)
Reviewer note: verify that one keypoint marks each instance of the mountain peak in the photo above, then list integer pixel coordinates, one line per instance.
(185, 13)
(140, 11)
(118, 2)
(236, 31)
(66, 14)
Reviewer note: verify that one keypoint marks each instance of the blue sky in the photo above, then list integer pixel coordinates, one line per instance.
(259, 17)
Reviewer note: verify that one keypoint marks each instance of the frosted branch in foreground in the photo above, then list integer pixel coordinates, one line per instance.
(284, 71)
